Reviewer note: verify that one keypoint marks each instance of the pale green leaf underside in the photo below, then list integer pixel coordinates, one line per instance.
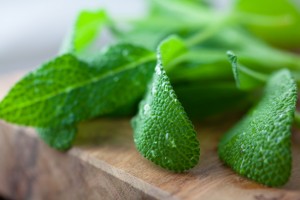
(66, 90)
(258, 147)
(162, 131)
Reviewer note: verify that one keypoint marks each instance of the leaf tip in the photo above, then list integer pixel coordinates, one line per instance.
(233, 61)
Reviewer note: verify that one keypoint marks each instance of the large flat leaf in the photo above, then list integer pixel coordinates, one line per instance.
(259, 146)
(66, 90)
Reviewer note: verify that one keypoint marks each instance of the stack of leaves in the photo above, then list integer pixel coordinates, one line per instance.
(172, 65)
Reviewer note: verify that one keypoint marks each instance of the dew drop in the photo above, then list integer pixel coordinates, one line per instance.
(146, 108)
(173, 145)
(165, 86)
(167, 136)
(154, 91)
(158, 70)
(153, 153)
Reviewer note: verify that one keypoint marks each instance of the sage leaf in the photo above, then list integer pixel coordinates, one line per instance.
(162, 131)
(59, 138)
(67, 90)
(87, 27)
(245, 78)
(172, 47)
(259, 146)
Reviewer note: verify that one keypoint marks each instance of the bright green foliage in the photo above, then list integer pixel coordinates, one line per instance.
(172, 47)
(66, 90)
(167, 18)
(276, 21)
(245, 78)
(60, 138)
(162, 131)
(259, 146)
(86, 29)
(83, 83)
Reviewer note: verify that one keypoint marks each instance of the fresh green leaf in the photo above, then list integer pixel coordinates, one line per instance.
(86, 29)
(253, 52)
(172, 47)
(184, 11)
(66, 90)
(246, 79)
(284, 33)
(259, 146)
(60, 138)
(162, 131)
(167, 18)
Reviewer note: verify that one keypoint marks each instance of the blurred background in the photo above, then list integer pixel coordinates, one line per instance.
(32, 31)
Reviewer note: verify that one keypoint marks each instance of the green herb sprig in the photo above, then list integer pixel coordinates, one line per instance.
(172, 65)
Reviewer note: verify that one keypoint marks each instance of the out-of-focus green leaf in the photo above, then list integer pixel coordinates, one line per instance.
(86, 29)
(284, 31)
(246, 79)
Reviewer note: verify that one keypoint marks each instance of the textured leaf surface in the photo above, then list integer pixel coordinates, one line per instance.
(162, 131)
(66, 90)
(258, 147)
(60, 138)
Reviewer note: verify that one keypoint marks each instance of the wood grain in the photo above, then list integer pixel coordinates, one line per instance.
(104, 164)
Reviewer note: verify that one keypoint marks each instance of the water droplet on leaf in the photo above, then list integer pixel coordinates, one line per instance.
(146, 109)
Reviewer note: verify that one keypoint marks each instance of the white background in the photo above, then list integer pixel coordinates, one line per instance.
(31, 31)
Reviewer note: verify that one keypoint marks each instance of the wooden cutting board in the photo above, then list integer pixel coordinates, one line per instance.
(104, 164)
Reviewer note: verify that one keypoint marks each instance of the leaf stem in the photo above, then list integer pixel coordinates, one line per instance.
(203, 35)
(254, 74)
